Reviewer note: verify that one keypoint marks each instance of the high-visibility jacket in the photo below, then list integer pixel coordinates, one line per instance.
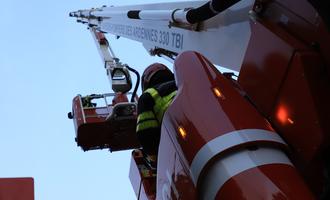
(151, 108)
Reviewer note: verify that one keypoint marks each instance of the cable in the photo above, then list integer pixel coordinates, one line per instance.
(137, 81)
(208, 10)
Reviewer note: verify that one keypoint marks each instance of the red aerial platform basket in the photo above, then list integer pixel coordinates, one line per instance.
(111, 126)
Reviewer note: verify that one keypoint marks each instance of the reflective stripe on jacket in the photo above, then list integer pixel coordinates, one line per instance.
(154, 117)
(161, 103)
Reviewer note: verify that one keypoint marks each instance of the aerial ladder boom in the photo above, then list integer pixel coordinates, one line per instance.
(168, 29)
(117, 72)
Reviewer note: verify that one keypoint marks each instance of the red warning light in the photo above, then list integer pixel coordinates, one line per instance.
(182, 132)
(282, 114)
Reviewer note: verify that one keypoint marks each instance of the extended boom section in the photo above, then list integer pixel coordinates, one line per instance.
(164, 28)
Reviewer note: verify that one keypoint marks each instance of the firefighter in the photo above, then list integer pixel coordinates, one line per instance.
(87, 101)
(159, 89)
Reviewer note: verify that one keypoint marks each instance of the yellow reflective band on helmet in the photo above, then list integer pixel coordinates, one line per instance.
(146, 125)
(146, 115)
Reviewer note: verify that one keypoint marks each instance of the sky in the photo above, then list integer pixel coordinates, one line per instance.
(46, 58)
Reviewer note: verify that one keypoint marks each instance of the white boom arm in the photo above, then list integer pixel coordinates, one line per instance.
(165, 29)
(117, 73)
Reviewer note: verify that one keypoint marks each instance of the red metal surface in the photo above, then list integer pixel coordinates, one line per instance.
(100, 37)
(116, 135)
(92, 114)
(300, 98)
(304, 23)
(119, 98)
(305, 11)
(304, 99)
(203, 115)
(144, 186)
(299, 21)
(16, 189)
(173, 176)
(267, 182)
(292, 90)
(265, 66)
(282, 29)
(78, 112)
